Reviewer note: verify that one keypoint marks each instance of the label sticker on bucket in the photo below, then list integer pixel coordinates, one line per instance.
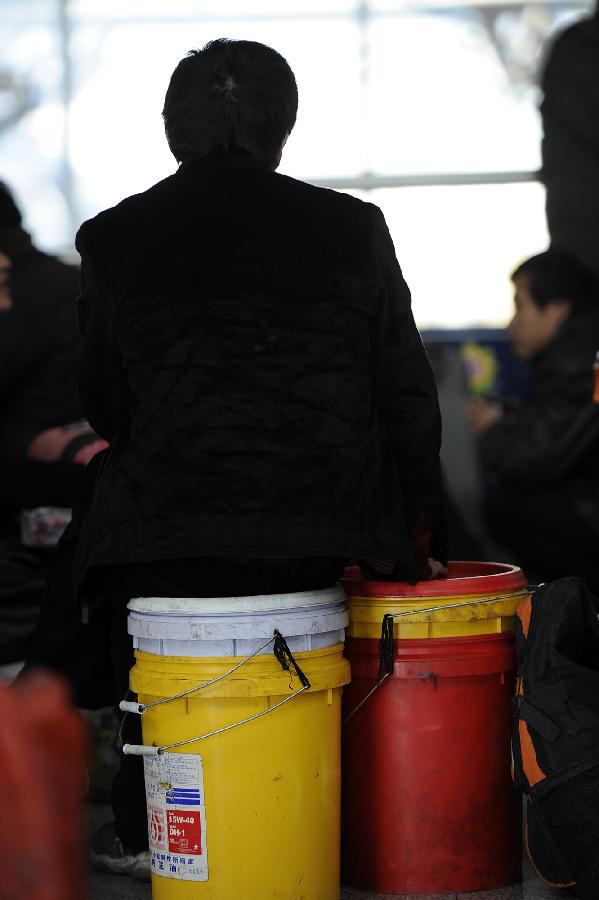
(177, 816)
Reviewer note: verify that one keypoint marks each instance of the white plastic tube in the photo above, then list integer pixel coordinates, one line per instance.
(128, 706)
(140, 750)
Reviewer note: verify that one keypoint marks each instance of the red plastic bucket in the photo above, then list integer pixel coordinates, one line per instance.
(428, 801)
(499, 587)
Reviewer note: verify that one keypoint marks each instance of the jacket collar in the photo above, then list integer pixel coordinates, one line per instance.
(573, 348)
(222, 161)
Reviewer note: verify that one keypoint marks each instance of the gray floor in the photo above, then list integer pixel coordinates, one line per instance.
(112, 887)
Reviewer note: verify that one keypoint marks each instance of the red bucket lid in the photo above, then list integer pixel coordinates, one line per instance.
(464, 578)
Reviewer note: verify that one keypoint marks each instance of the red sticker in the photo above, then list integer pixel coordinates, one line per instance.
(184, 831)
(156, 826)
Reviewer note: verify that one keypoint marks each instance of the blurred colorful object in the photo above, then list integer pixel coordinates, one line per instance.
(481, 369)
(44, 525)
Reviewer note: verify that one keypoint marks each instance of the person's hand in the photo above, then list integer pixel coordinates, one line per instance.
(481, 415)
(436, 569)
(86, 453)
(51, 444)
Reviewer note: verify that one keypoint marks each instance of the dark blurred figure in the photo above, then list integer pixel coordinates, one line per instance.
(38, 338)
(26, 484)
(42, 434)
(543, 463)
(570, 112)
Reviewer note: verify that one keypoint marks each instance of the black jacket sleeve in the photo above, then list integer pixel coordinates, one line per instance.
(541, 448)
(407, 397)
(26, 483)
(103, 386)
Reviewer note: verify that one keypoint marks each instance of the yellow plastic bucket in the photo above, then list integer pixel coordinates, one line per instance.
(261, 801)
(369, 601)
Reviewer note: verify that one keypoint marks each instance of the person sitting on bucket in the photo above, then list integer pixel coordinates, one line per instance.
(249, 351)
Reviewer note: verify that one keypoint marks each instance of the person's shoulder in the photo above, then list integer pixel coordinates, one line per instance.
(58, 270)
(568, 359)
(108, 225)
(38, 274)
(340, 213)
(327, 198)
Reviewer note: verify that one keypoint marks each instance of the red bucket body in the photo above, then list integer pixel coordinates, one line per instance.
(428, 801)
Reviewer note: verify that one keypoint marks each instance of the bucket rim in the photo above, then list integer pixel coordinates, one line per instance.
(198, 606)
(465, 578)
(262, 676)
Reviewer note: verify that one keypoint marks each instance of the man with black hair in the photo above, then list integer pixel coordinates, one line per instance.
(249, 352)
(543, 463)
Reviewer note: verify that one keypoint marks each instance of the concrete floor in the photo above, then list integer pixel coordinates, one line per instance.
(113, 887)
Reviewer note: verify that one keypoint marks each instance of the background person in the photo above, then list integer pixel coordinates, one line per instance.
(542, 463)
(39, 339)
(40, 411)
(42, 436)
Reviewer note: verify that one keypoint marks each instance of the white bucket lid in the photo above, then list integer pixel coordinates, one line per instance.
(238, 618)
(222, 606)
(215, 628)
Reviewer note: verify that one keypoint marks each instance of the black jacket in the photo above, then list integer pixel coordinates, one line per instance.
(249, 350)
(38, 349)
(556, 443)
(570, 111)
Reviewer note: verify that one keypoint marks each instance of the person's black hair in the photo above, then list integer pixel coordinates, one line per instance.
(555, 275)
(228, 97)
(9, 211)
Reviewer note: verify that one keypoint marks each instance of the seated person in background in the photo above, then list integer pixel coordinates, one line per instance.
(542, 464)
(39, 444)
(40, 412)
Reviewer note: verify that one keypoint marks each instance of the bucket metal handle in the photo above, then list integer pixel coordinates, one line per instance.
(280, 650)
(386, 640)
(146, 750)
(284, 657)
(140, 708)
(429, 609)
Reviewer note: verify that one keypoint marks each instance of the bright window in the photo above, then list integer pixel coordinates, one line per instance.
(427, 109)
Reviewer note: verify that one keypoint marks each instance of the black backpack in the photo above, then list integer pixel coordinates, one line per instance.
(555, 740)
